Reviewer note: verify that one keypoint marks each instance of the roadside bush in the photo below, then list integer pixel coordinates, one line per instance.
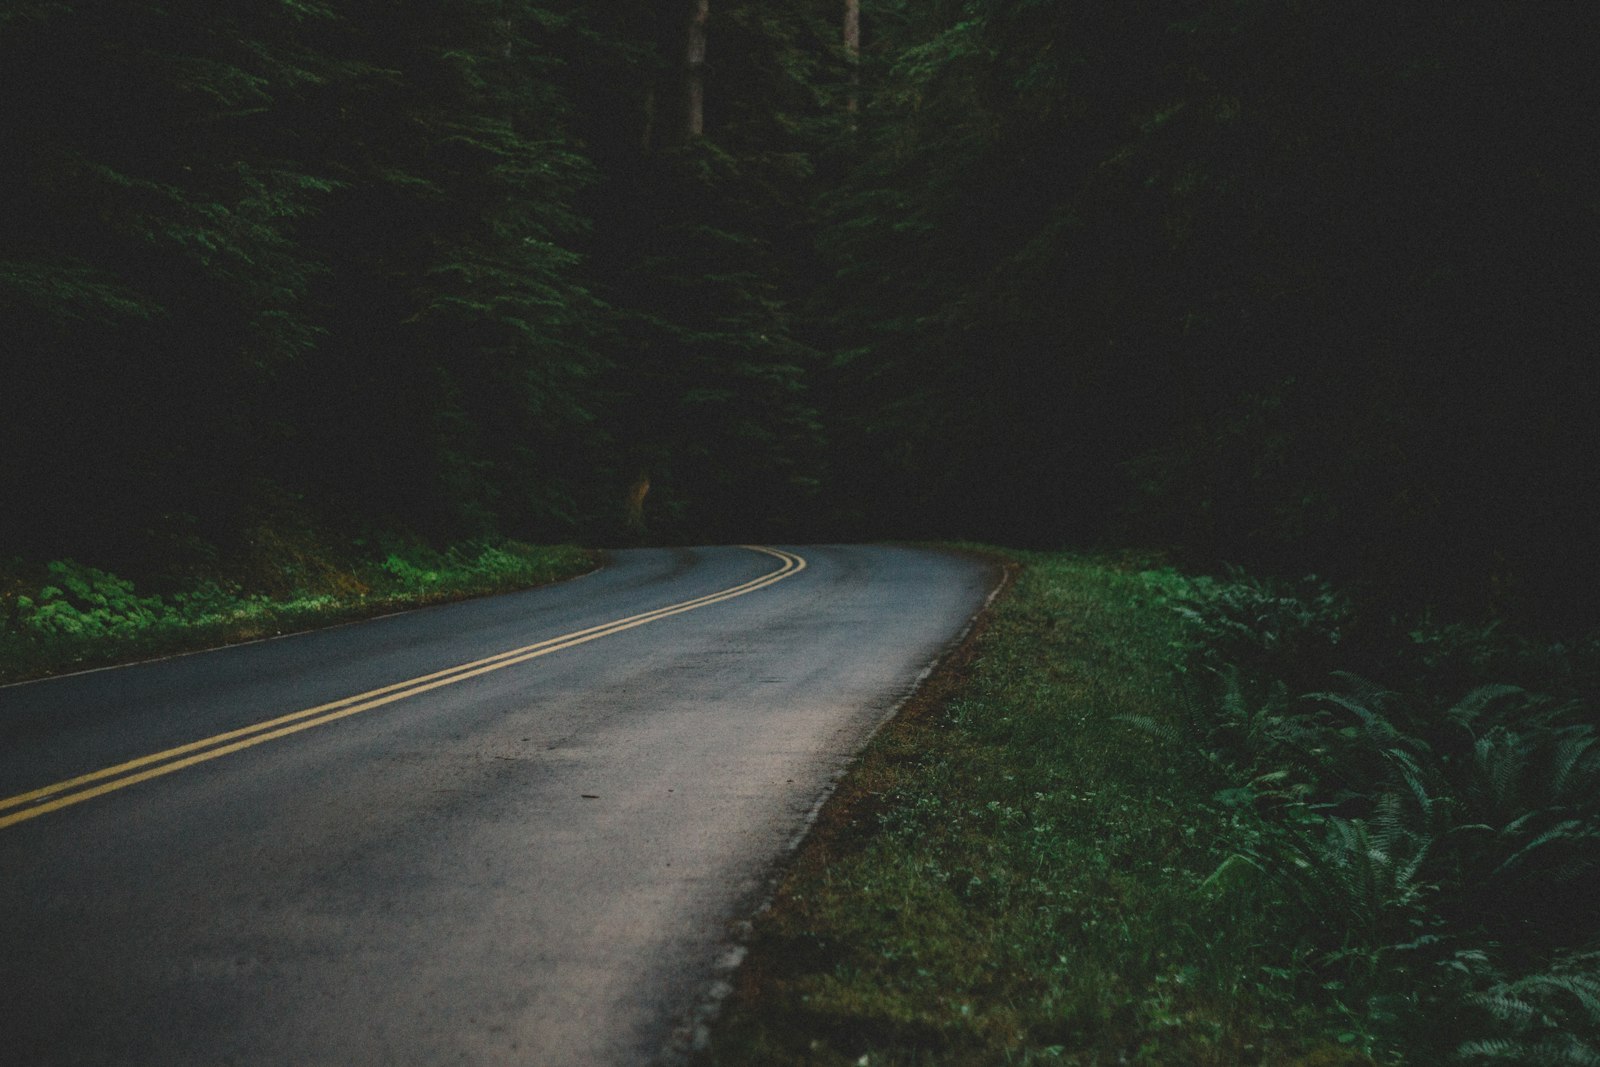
(68, 614)
(1456, 657)
(1288, 634)
(1434, 847)
(84, 602)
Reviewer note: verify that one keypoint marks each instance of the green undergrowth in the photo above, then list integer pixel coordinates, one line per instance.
(67, 615)
(1121, 829)
(1014, 875)
(1431, 801)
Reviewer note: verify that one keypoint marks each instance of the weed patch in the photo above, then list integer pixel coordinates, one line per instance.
(67, 615)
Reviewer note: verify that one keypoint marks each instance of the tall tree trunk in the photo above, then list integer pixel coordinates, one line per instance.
(647, 138)
(695, 63)
(852, 51)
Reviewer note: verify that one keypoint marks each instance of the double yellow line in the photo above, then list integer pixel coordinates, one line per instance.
(71, 791)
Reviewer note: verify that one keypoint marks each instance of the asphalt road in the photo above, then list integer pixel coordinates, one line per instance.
(435, 852)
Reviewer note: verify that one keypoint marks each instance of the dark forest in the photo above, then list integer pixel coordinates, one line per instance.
(1302, 286)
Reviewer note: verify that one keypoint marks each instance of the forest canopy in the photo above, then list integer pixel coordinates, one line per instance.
(1299, 284)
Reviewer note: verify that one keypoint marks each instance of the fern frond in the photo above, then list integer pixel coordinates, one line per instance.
(1415, 777)
(1363, 690)
(1500, 757)
(1585, 989)
(1575, 751)
(1388, 820)
(1506, 1006)
(1471, 706)
(1567, 831)
(1377, 726)
(1550, 1051)
(1497, 1048)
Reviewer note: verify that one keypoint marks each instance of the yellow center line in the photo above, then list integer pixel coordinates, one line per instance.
(417, 684)
(70, 791)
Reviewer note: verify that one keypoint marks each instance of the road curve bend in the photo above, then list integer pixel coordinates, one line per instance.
(511, 830)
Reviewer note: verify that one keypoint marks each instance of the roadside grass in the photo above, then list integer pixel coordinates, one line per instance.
(1017, 873)
(66, 615)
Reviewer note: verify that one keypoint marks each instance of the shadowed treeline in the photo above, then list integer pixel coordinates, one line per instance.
(1307, 286)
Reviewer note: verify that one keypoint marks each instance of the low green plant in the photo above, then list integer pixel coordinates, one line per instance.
(1434, 843)
(1264, 630)
(68, 614)
(84, 602)
(1551, 1016)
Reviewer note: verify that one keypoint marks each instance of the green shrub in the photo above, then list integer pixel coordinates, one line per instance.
(1429, 844)
(1547, 1017)
(68, 614)
(1266, 630)
(87, 603)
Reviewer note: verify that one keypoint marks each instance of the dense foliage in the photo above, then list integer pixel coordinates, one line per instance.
(1296, 283)
(1437, 828)
(405, 266)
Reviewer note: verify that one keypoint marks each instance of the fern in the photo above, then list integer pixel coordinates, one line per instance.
(1467, 710)
(1366, 887)
(1549, 1017)
(1548, 1052)
(72, 291)
(1575, 762)
(1569, 835)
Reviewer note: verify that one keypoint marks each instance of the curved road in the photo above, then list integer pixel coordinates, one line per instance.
(511, 830)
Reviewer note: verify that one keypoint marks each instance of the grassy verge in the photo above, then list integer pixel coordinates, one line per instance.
(67, 616)
(1157, 819)
(1013, 874)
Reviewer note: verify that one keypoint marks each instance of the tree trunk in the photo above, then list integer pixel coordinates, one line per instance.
(695, 63)
(852, 51)
(647, 138)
